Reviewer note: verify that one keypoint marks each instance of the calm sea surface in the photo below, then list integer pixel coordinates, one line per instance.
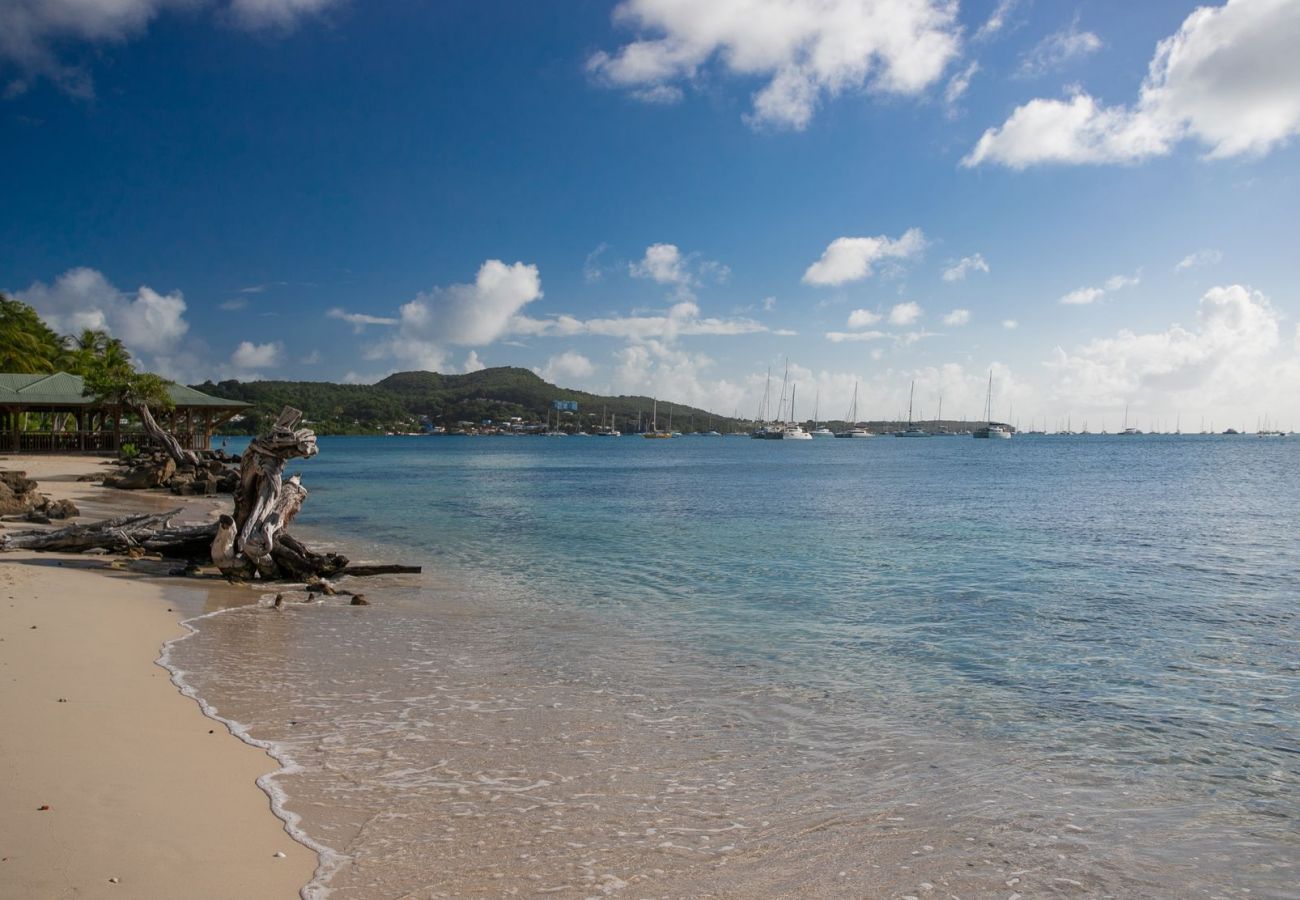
(737, 668)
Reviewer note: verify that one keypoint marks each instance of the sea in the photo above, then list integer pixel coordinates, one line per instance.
(721, 667)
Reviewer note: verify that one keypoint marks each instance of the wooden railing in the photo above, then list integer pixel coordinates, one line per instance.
(91, 441)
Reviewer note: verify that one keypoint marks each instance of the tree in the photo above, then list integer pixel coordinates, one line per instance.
(27, 345)
(93, 350)
(140, 392)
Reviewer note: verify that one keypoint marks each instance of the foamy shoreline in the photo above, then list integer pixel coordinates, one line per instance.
(147, 796)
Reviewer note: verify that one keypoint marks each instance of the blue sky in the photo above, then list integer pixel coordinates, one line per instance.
(666, 197)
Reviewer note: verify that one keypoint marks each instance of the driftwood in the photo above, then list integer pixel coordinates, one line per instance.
(253, 543)
(165, 439)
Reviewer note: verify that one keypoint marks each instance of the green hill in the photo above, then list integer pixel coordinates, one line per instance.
(401, 401)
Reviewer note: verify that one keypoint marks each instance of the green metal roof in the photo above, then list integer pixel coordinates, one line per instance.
(62, 389)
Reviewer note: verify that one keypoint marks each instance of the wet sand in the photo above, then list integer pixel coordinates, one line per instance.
(146, 796)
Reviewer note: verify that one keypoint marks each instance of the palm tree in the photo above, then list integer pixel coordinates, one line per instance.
(27, 345)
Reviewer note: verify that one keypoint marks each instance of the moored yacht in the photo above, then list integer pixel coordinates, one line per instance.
(912, 431)
(991, 429)
(854, 430)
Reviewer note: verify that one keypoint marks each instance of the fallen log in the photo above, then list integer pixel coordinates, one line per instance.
(361, 571)
(111, 534)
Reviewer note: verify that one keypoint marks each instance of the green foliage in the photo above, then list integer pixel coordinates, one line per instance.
(27, 345)
(126, 387)
(400, 401)
(129, 451)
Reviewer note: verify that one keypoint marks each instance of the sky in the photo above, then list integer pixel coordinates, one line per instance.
(1097, 202)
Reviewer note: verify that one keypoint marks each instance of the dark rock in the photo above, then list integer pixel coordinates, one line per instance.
(359, 600)
(61, 509)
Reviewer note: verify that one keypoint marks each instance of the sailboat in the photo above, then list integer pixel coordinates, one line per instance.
(654, 433)
(793, 431)
(1128, 429)
(854, 430)
(606, 429)
(990, 430)
(821, 430)
(912, 430)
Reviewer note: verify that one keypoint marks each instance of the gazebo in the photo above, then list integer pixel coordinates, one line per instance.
(53, 414)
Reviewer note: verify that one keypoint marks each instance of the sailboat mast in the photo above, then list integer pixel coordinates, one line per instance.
(910, 395)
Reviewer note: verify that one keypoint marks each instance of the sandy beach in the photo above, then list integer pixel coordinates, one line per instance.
(113, 783)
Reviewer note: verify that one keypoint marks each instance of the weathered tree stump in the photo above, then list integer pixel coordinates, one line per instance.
(252, 543)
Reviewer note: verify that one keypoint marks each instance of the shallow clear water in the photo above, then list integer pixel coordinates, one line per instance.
(724, 667)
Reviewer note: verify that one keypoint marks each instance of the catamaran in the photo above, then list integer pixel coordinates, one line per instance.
(990, 430)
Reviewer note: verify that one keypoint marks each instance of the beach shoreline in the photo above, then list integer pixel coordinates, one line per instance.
(115, 783)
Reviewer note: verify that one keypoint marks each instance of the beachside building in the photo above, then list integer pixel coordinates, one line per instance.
(53, 414)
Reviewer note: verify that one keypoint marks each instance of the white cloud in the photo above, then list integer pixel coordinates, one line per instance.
(1229, 355)
(472, 363)
(248, 356)
(282, 14)
(1058, 49)
(769, 304)
(967, 264)
(473, 314)
(1226, 78)
(147, 322)
(1198, 259)
(904, 313)
(1082, 296)
(851, 258)
(805, 49)
(863, 318)
(1085, 296)
(957, 86)
(31, 30)
(233, 305)
(997, 20)
(312, 359)
(568, 365)
(359, 321)
(662, 263)
(1010, 324)
(957, 317)
(591, 270)
(839, 337)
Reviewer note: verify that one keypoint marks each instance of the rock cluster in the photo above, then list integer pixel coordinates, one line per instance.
(218, 473)
(19, 497)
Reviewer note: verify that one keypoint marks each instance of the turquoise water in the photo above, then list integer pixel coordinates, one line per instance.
(1068, 661)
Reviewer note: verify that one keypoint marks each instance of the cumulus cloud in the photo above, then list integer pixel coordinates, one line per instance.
(967, 264)
(1010, 324)
(904, 313)
(1086, 296)
(863, 318)
(805, 50)
(1198, 259)
(31, 30)
(472, 363)
(1226, 79)
(1059, 49)
(147, 322)
(852, 258)
(568, 365)
(1230, 353)
(957, 317)
(250, 356)
(662, 263)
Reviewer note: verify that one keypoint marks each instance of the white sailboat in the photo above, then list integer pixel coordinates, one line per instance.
(821, 430)
(854, 430)
(912, 430)
(990, 430)
(654, 433)
(793, 431)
